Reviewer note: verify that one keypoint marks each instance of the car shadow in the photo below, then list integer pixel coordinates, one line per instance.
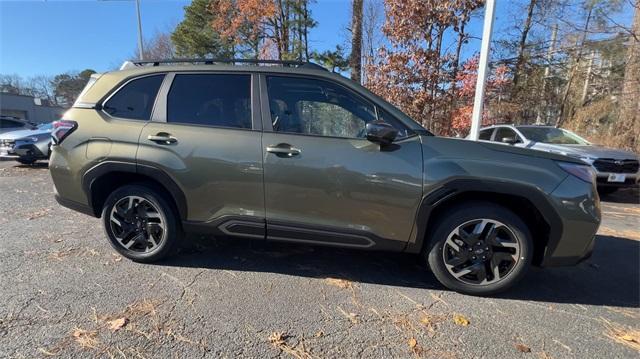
(623, 195)
(40, 165)
(611, 277)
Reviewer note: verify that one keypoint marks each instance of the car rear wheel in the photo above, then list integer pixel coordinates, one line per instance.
(479, 249)
(140, 223)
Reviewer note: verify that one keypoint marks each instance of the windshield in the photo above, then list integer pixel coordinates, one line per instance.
(45, 126)
(552, 135)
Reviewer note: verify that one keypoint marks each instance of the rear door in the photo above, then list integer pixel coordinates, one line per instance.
(324, 182)
(206, 137)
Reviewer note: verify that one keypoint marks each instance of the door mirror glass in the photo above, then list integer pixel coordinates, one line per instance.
(510, 140)
(381, 132)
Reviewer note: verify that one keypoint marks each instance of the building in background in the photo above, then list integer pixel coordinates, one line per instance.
(29, 108)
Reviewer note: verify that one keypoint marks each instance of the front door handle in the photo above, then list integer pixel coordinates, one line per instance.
(283, 150)
(162, 138)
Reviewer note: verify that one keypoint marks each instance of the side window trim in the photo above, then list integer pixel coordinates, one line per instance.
(106, 99)
(163, 95)
(159, 112)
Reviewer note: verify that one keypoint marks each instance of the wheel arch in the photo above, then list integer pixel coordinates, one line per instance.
(102, 179)
(526, 201)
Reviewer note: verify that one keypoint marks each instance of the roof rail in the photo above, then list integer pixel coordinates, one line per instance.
(205, 61)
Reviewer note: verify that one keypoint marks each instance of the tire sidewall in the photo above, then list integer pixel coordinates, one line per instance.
(166, 214)
(459, 215)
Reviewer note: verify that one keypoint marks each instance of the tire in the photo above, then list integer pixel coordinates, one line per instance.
(607, 190)
(26, 160)
(143, 220)
(513, 243)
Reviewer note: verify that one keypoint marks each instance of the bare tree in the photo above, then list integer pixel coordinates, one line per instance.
(629, 122)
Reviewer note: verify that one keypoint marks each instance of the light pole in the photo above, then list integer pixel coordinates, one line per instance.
(478, 102)
(140, 44)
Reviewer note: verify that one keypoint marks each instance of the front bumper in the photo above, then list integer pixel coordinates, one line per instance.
(21, 150)
(578, 206)
(630, 179)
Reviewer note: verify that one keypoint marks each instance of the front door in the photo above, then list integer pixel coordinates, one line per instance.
(324, 182)
(203, 135)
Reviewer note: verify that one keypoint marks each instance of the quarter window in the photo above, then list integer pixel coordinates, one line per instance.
(317, 107)
(135, 100)
(210, 100)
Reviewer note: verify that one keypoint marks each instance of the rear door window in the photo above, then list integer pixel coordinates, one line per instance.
(219, 100)
(135, 100)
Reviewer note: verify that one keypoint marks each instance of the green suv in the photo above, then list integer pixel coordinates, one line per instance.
(290, 152)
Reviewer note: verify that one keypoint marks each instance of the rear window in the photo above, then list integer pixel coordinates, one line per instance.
(4, 123)
(218, 100)
(135, 100)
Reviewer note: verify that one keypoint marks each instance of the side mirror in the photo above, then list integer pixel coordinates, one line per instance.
(510, 140)
(381, 133)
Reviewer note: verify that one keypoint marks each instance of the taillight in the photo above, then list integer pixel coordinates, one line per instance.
(62, 129)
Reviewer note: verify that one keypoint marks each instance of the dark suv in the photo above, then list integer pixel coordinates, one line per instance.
(291, 152)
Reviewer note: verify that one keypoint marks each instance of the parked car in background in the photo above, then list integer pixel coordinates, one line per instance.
(298, 154)
(614, 168)
(9, 124)
(27, 146)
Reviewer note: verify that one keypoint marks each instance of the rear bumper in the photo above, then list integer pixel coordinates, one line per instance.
(578, 207)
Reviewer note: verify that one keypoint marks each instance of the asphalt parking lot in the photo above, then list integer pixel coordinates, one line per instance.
(65, 293)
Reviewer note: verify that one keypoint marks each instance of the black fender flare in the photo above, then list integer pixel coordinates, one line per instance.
(160, 176)
(454, 187)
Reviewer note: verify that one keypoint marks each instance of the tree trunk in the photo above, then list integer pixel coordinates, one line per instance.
(629, 128)
(523, 44)
(578, 58)
(306, 29)
(355, 61)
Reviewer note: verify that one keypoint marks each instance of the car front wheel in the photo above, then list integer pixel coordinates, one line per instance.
(479, 249)
(140, 223)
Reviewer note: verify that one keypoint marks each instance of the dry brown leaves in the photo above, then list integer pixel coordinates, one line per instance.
(522, 348)
(39, 213)
(625, 233)
(340, 283)
(86, 338)
(279, 340)
(117, 324)
(461, 320)
(626, 336)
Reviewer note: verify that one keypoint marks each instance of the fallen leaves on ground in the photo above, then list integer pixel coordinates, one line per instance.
(625, 233)
(85, 338)
(461, 320)
(412, 342)
(523, 348)
(626, 336)
(278, 339)
(37, 214)
(116, 324)
(340, 283)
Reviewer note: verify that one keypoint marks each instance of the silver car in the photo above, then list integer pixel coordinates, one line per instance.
(27, 146)
(614, 168)
(9, 124)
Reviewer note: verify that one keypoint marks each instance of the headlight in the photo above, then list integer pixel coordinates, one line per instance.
(583, 172)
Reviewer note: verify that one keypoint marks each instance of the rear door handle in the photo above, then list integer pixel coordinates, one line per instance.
(283, 150)
(162, 138)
